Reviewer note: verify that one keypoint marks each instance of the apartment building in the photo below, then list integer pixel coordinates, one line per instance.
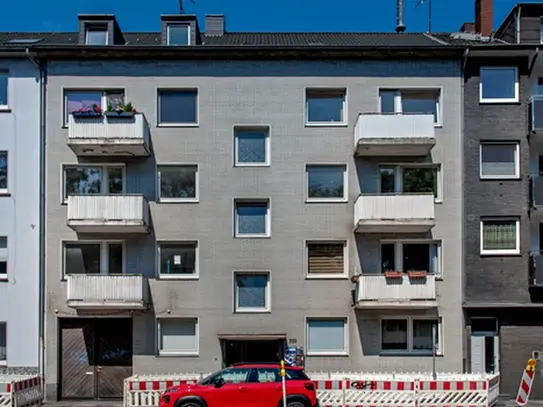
(213, 197)
(19, 209)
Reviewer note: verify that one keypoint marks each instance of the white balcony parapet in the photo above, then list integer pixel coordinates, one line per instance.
(108, 213)
(407, 213)
(106, 136)
(381, 292)
(394, 134)
(124, 291)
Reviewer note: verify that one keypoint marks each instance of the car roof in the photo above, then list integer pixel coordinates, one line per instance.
(264, 364)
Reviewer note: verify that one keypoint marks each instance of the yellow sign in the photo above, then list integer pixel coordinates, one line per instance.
(283, 372)
(530, 367)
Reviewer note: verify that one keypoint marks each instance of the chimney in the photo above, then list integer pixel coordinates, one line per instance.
(467, 27)
(215, 25)
(400, 27)
(484, 17)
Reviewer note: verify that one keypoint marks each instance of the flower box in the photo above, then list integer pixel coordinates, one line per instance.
(417, 273)
(89, 114)
(393, 274)
(120, 115)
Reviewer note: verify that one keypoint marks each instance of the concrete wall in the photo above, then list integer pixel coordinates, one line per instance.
(272, 93)
(19, 214)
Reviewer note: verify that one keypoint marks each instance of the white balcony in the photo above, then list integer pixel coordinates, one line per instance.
(394, 213)
(380, 292)
(109, 136)
(108, 213)
(394, 134)
(119, 292)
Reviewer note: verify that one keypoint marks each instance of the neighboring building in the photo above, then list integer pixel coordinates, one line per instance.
(19, 209)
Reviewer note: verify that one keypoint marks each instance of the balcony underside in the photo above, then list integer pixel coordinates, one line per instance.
(395, 226)
(99, 147)
(380, 147)
(98, 305)
(108, 226)
(384, 304)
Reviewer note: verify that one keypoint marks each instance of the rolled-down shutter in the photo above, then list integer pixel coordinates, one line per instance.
(326, 258)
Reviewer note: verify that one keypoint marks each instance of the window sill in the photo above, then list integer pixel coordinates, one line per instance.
(4, 278)
(250, 165)
(326, 200)
(4, 193)
(327, 277)
(5, 109)
(178, 354)
(343, 353)
(498, 101)
(333, 124)
(178, 277)
(3, 363)
(408, 354)
(177, 200)
(170, 125)
(252, 311)
(500, 178)
(252, 236)
(438, 125)
(490, 253)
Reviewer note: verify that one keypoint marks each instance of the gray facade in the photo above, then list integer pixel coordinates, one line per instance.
(19, 216)
(267, 93)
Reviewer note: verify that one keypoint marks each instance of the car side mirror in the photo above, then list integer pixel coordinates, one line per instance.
(219, 382)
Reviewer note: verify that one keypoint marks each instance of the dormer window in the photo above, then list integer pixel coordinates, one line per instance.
(96, 35)
(178, 34)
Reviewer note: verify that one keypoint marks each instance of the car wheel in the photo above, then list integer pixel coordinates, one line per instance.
(190, 404)
(295, 404)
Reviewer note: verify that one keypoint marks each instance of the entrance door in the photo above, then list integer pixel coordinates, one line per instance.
(254, 350)
(95, 357)
(485, 345)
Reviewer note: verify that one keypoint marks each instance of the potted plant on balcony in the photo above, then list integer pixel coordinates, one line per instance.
(121, 111)
(417, 273)
(393, 274)
(93, 111)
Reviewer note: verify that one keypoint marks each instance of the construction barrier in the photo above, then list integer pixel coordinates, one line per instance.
(20, 390)
(354, 389)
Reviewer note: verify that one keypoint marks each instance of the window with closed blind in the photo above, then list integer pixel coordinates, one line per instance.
(326, 259)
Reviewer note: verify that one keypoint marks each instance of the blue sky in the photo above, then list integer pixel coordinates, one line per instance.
(249, 15)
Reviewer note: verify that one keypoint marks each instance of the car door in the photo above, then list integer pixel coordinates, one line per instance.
(265, 387)
(232, 392)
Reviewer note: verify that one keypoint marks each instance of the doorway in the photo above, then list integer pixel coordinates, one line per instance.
(485, 345)
(95, 357)
(254, 350)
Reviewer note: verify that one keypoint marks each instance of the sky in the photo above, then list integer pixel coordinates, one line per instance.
(250, 15)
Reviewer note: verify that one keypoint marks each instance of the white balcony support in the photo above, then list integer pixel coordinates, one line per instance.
(394, 134)
(377, 291)
(108, 213)
(394, 213)
(105, 136)
(125, 291)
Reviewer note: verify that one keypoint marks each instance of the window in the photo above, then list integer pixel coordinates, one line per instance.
(326, 106)
(252, 218)
(499, 160)
(96, 35)
(4, 75)
(178, 34)
(93, 180)
(178, 183)
(410, 335)
(326, 259)
(411, 101)
(410, 180)
(327, 336)
(3, 258)
(178, 260)
(75, 100)
(3, 343)
(499, 85)
(411, 256)
(3, 172)
(93, 258)
(251, 292)
(326, 183)
(500, 236)
(273, 374)
(229, 375)
(251, 146)
(178, 336)
(178, 107)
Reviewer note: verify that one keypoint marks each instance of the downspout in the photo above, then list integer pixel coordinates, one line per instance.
(41, 249)
(465, 356)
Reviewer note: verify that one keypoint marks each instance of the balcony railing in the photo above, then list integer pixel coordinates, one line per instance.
(109, 136)
(536, 113)
(108, 213)
(382, 292)
(407, 213)
(108, 291)
(394, 134)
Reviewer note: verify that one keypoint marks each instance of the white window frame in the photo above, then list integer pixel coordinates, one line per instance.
(340, 90)
(268, 217)
(194, 276)
(319, 276)
(4, 362)
(4, 258)
(178, 200)
(195, 352)
(246, 310)
(90, 28)
(499, 100)
(398, 253)
(343, 199)
(104, 254)
(6, 106)
(5, 191)
(104, 92)
(187, 26)
(410, 330)
(398, 177)
(256, 127)
(344, 352)
(515, 144)
(500, 252)
(398, 108)
(179, 89)
(104, 180)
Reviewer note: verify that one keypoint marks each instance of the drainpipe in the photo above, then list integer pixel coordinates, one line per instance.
(41, 250)
(462, 170)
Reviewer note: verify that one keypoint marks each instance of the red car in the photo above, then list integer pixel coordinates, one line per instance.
(245, 385)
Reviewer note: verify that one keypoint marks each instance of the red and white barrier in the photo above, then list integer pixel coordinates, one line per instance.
(21, 391)
(355, 390)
